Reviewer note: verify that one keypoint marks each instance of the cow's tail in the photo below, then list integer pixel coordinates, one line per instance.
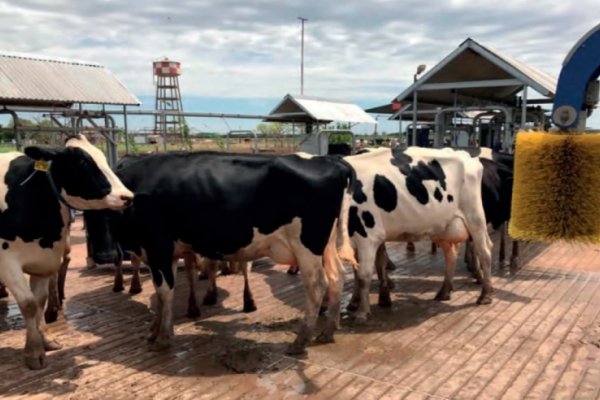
(345, 248)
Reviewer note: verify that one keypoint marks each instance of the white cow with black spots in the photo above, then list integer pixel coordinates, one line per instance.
(35, 192)
(411, 195)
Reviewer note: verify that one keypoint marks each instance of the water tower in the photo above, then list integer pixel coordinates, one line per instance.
(168, 97)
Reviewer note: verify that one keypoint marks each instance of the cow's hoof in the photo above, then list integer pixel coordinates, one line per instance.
(135, 290)
(118, 288)
(249, 307)
(360, 320)
(210, 300)
(193, 312)
(36, 362)
(295, 349)
(160, 344)
(385, 301)
(442, 295)
(353, 305)
(325, 337)
(51, 345)
(293, 270)
(484, 300)
(514, 264)
(50, 316)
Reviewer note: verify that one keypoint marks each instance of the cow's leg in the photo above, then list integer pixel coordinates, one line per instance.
(12, 276)
(211, 296)
(366, 261)
(334, 271)
(165, 288)
(136, 282)
(502, 250)
(189, 260)
(514, 258)
(249, 304)
(381, 260)
(53, 306)
(433, 248)
(354, 302)
(118, 285)
(410, 247)
(56, 294)
(483, 251)
(450, 256)
(468, 258)
(62, 274)
(313, 278)
(3, 292)
(472, 263)
(39, 287)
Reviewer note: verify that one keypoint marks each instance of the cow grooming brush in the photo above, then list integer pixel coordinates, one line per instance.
(556, 192)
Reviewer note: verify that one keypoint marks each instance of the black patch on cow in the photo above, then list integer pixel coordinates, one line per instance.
(450, 198)
(215, 201)
(385, 194)
(358, 194)
(354, 223)
(415, 175)
(368, 219)
(95, 185)
(5, 245)
(496, 191)
(33, 210)
(438, 195)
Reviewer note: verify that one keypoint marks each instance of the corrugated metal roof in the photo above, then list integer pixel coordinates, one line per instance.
(314, 109)
(472, 62)
(34, 80)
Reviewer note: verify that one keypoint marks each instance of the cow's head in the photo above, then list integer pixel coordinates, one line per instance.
(102, 239)
(82, 175)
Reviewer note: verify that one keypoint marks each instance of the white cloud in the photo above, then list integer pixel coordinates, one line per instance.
(232, 48)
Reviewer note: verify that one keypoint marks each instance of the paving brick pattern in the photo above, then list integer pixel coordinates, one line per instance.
(539, 339)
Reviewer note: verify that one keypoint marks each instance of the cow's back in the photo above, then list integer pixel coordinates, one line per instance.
(417, 190)
(215, 201)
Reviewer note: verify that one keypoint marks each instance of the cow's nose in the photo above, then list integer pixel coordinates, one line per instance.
(128, 200)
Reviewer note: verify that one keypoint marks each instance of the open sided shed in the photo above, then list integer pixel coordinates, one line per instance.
(474, 77)
(61, 87)
(314, 112)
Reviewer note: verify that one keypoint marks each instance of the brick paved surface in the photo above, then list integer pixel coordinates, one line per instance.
(539, 339)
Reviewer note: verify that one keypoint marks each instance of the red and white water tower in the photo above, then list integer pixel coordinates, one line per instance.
(168, 97)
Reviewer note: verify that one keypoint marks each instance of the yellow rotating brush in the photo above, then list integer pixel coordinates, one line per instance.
(556, 192)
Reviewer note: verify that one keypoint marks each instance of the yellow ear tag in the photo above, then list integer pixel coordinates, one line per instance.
(41, 165)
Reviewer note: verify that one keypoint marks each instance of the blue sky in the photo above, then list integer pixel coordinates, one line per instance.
(244, 56)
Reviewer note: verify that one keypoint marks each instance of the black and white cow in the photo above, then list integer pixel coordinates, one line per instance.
(35, 193)
(236, 208)
(412, 195)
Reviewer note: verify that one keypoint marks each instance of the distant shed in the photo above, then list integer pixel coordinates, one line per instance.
(313, 112)
(61, 87)
(36, 81)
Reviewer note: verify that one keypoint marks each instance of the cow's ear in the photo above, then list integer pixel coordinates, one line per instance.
(41, 153)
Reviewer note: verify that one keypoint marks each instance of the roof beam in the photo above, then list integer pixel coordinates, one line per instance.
(470, 84)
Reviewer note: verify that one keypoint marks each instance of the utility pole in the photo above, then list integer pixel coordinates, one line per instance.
(302, 57)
